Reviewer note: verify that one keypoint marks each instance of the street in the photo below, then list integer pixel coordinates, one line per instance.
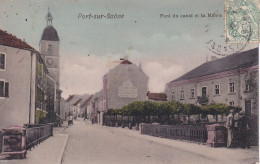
(99, 144)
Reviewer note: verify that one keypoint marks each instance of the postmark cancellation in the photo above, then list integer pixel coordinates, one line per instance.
(242, 19)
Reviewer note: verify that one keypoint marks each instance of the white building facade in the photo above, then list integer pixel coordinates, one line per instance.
(232, 80)
(20, 84)
(124, 84)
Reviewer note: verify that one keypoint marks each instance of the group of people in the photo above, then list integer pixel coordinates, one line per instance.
(242, 129)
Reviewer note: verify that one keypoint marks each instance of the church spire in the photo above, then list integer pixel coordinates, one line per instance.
(49, 18)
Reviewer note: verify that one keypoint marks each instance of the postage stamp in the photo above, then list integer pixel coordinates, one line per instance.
(242, 20)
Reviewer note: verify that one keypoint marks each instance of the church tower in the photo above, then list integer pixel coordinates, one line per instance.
(49, 49)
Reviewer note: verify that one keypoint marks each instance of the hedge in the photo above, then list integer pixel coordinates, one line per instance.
(151, 108)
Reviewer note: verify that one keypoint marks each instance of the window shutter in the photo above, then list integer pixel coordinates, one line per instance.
(40, 66)
(2, 61)
(7, 89)
(1, 89)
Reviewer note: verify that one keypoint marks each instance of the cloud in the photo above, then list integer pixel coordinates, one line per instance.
(159, 75)
(82, 74)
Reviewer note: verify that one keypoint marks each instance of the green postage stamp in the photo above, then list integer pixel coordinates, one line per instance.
(242, 18)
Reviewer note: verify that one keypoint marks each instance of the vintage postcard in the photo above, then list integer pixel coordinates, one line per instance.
(112, 81)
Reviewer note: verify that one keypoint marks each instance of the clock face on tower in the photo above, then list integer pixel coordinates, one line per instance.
(49, 61)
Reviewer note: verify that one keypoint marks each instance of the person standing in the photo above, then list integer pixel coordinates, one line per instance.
(230, 128)
(70, 121)
(85, 115)
(92, 120)
(243, 126)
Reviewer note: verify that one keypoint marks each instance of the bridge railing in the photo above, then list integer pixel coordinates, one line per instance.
(181, 132)
(35, 135)
(17, 140)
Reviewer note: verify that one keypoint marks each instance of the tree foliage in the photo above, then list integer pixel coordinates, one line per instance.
(151, 108)
(217, 108)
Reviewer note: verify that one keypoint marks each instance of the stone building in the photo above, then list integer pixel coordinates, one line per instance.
(124, 84)
(74, 104)
(70, 101)
(86, 107)
(76, 108)
(232, 80)
(90, 108)
(64, 110)
(49, 49)
(22, 83)
(51, 98)
(97, 107)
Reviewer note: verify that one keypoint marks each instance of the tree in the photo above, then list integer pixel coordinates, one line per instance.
(146, 109)
(165, 108)
(176, 107)
(191, 109)
(217, 108)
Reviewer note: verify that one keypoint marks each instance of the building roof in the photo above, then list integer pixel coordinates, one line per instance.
(50, 33)
(76, 103)
(12, 41)
(69, 98)
(231, 62)
(126, 62)
(157, 96)
(86, 102)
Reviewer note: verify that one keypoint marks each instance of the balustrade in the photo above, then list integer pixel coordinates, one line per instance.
(182, 132)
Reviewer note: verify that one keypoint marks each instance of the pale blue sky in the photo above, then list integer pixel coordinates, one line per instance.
(173, 45)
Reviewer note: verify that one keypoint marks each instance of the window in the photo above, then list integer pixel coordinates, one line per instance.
(231, 103)
(49, 48)
(173, 96)
(216, 87)
(2, 83)
(204, 92)
(182, 95)
(192, 93)
(247, 85)
(4, 89)
(2, 61)
(232, 87)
